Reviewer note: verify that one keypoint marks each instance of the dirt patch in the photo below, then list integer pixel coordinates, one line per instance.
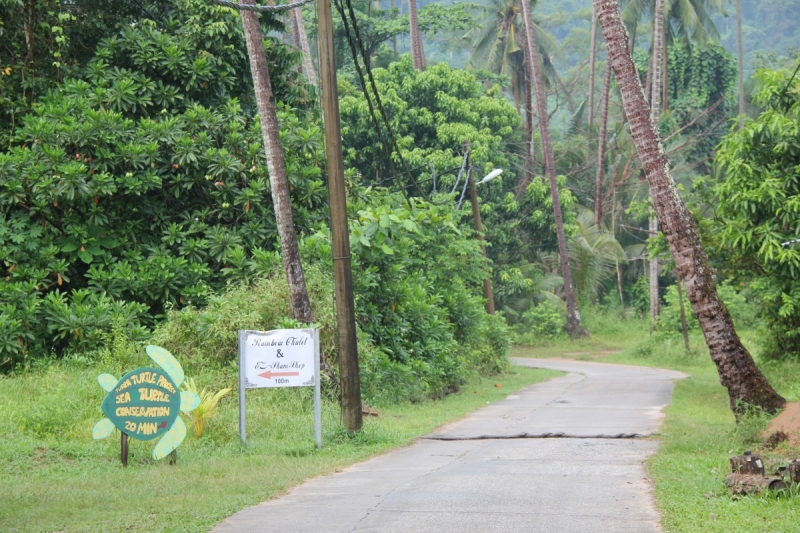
(788, 421)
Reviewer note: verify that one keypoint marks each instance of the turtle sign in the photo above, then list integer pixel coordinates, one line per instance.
(279, 358)
(144, 404)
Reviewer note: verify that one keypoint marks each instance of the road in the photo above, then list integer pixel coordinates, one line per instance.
(495, 471)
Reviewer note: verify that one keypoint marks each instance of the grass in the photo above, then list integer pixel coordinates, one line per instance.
(55, 478)
(699, 434)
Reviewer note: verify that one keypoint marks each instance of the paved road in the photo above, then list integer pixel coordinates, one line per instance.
(485, 473)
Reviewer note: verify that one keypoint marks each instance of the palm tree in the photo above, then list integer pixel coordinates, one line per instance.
(417, 53)
(522, 287)
(737, 370)
(592, 57)
(279, 183)
(740, 57)
(658, 46)
(573, 326)
(691, 19)
(593, 255)
(499, 46)
(601, 148)
(301, 42)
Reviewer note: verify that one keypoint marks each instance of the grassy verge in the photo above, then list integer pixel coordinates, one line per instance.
(699, 433)
(55, 478)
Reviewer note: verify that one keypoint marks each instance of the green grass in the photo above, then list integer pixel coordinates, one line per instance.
(699, 433)
(56, 478)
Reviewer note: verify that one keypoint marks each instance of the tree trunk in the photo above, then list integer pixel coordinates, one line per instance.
(417, 53)
(279, 183)
(528, 171)
(655, 308)
(658, 41)
(665, 68)
(737, 371)
(592, 57)
(648, 80)
(394, 37)
(684, 325)
(301, 41)
(601, 149)
(740, 55)
(573, 325)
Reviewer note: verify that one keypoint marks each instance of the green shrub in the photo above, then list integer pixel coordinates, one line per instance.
(742, 305)
(141, 183)
(540, 324)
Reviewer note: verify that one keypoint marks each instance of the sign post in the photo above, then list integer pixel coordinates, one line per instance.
(279, 358)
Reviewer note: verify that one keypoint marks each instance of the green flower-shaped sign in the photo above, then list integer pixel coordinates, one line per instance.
(144, 404)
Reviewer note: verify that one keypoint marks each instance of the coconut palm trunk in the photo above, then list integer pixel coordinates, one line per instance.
(301, 42)
(655, 93)
(417, 53)
(279, 183)
(740, 54)
(529, 171)
(601, 149)
(573, 326)
(592, 58)
(738, 373)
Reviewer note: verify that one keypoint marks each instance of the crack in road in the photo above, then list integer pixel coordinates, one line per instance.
(386, 496)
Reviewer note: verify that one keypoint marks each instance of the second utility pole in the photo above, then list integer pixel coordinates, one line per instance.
(476, 213)
(340, 236)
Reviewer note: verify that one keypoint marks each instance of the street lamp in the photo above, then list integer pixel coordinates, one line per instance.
(491, 175)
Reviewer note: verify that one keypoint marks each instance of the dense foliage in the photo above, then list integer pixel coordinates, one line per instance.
(759, 203)
(142, 181)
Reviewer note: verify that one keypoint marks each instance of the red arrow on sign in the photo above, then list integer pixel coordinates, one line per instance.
(269, 374)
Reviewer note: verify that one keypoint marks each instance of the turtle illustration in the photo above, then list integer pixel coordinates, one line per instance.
(144, 403)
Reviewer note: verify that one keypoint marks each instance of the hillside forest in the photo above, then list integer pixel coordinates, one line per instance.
(136, 198)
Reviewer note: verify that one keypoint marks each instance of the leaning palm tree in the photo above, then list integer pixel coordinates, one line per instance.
(574, 327)
(279, 182)
(737, 370)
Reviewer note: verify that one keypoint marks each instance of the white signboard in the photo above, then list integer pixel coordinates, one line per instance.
(279, 358)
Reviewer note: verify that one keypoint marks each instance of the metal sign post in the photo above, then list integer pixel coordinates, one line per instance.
(279, 358)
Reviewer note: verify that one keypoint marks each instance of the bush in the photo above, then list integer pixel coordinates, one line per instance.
(742, 305)
(134, 186)
(539, 324)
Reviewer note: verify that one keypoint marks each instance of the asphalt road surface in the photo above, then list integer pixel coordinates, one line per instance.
(566, 455)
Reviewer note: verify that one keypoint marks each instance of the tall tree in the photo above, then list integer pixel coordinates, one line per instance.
(737, 370)
(592, 58)
(655, 92)
(740, 57)
(417, 53)
(499, 46)
(301, 42)
(276, 166)
(573, 326)
(601, 148)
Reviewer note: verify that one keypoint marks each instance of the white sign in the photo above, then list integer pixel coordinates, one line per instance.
(279, 358)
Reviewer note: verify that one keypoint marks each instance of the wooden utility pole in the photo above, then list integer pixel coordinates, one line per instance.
(476, 213)
(337, 198)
